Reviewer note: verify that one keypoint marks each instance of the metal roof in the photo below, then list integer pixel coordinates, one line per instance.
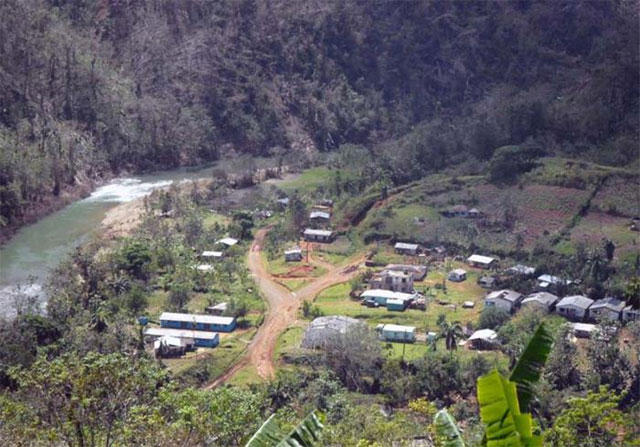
(323, 328)
(314, 232)
(212, 254)
(398, 328)
(609, 303)
(228, 241)
(541, 297)
(483, 334)
(458, 272)
(507, 295)
(191, 318)
(481, 259)
(319, 214)
(404, 245)
(389, 294)
(180, 333)
(579, 301)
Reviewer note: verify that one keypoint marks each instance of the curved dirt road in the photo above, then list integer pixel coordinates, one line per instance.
(282, 312)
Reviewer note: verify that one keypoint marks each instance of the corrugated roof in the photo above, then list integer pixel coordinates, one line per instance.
(406, 246)
(180, 333)
(314, 232)
(191, 318)
(508, 295)
(483, 334)
(609, 303)
(212, 254)
(480, 259)
(319, 214)
(398, 328)
(389, 294)
(541, 297)
(228, 241)
(579, 301)
(458, 272)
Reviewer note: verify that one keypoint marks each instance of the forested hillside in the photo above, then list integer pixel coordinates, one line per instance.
(93, 88)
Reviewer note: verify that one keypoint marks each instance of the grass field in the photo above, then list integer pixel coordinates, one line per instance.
(335, 301)
(596, 226)
(309, 181)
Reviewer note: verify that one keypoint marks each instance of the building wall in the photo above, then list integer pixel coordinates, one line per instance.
(198, 326)
(499, 303)
(398, 336)
(571, 312)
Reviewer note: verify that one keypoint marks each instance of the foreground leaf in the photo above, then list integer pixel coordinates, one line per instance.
(306, 434)
(529, 367)
(447, 430)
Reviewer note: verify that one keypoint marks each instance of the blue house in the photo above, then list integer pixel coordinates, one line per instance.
(197, 322)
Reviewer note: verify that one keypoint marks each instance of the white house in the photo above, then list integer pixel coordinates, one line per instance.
(482, 339)
(583, 330)
(320, 216)
(520, 269)
(393, 280)
(417, 271)
(574, 307)
(457, 275)
(212, 254)
(480, 261)
(607, 308)
(406, 248)
(541, 300)
(380, 297)
(507, 300)
(549, 283)
(395, 332)
(228, 241)
(294, 254)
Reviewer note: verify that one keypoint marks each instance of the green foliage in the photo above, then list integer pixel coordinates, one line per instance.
(447, 431)
(492, 318)
(510, 161)
(134, 257)
(305, 434)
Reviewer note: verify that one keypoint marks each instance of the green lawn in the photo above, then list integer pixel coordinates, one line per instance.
(215, 218)
(309, 181)
(246, 376)
(280, 267)
(288, 341)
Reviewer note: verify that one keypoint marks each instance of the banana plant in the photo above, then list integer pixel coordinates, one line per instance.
(504, 403)
(305, 434)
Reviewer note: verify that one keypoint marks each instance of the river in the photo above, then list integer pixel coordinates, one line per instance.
(39, 247)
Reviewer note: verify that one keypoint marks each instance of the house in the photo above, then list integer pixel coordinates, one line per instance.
(379, 297)
(191, 338)
(583, 330)
(541, 300)
(395, 332)
(312, 235)
(320, 216)
(574, 307)
(393, 280)
(218, 309)
(293, 254)
(522, 270)
(404, 248)
(212, 254)
(487, 282)
(484, 262)
(438, 252)
(484, 339)
(607, 308)
(204, 268)
(418, 272)
(168, 346)
(475, 213)
(323, 329)
(630, 314)
(507, 300)
(549, 283)
(397, 304)
(468, 305)
(197, 322)
(283, 202)
(456, 211)
(457, 275)
(228, 241)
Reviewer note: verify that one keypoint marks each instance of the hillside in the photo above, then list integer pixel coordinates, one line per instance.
(92, 89)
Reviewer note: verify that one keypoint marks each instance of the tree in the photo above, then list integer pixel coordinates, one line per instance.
(562, 368)
(492, 318)
(243, 223)
(591, 421)
(509, 161)
(451, 333)
(134, 258)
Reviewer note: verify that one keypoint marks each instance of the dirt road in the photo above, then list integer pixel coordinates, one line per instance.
(282, 313)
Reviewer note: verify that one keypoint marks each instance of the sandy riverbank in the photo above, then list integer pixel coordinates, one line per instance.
(123, 219)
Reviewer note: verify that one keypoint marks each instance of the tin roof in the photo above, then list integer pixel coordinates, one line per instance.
(193, 318)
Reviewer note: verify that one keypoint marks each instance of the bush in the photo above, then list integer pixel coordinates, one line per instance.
(492, 318)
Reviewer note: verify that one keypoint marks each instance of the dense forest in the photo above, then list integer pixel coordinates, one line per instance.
(90, 89)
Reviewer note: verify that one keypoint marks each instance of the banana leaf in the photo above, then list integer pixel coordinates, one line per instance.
(505, 425)
(447, 430)
(529, 367)
(305, 434)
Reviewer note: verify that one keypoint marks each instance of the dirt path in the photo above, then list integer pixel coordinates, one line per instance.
(282, 313)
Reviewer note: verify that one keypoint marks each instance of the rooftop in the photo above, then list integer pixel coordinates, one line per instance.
(180, 333)
(459, 271)
(609, 303)
(541, 297)
(212, 254)
(481, 259)
(319, 215)
(314, 232)
(579, 301)
(522, 269)
(398, 328)
(506, 294)
(483, 334)
(229, 241)
(387, 294)
(406, 246)
(193, 318)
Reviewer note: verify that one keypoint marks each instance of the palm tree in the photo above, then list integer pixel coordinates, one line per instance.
(451, 334)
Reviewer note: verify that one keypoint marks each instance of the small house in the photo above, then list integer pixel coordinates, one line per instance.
(457, 275)
(483, 340)
(583, 330)
(549, 283)
(468, 305)
(394, 332)
(190, 338)
(197, 322)
(397, 305)
(396, 281)
(507, 300)
(522, 270)
(541, 300)
(212, 254)
(574, 307)
(484, 262)
(313, 235)
(379, 297)
(204, 268)
(630, 314)
(610, 308)
(404, 248)
(218, 309)
(293, 254)
(320, 216)
(228, 241)
(168, 347)
(487, 282)
(456, 211)
(418, 272)
(323, 329)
